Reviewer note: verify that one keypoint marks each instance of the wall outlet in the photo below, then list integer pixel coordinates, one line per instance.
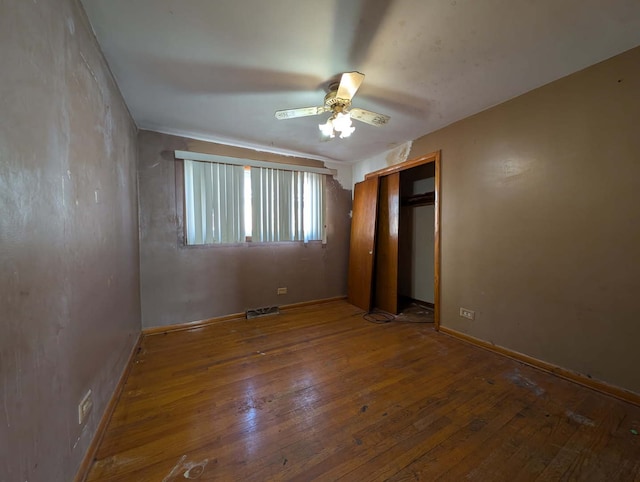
(468, 314)
(282, 291)
(84, 407)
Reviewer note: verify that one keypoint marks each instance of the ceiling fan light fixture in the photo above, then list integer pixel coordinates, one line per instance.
(342, 124)
(327, 129)
(338, 123)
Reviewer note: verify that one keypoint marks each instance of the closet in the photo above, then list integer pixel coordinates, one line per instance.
(395, 238)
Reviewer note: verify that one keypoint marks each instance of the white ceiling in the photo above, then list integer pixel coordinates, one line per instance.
(218, 70)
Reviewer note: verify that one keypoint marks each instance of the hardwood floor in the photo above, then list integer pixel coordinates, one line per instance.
(318, 393)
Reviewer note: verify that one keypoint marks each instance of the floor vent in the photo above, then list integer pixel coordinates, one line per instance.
(264, 311)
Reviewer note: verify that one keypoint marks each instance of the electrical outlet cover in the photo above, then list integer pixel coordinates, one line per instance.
(468, 314)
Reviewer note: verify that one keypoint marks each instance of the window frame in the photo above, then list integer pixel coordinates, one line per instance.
(180, 200)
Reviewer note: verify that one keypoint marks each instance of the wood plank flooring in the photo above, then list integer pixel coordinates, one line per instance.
(318, 393)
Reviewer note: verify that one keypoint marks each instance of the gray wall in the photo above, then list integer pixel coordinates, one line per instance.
(181, 284)
(69, 264)
(541, 222)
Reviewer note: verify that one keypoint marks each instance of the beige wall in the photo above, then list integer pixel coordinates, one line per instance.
(181, 284)
(69, 276)
(541, 222)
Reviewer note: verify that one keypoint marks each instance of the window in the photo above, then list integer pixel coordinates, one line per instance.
(228, 203)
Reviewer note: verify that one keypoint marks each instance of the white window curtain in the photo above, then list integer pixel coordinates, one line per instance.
(276, 205)
(214, 195)
(314, 207)
(286, 205)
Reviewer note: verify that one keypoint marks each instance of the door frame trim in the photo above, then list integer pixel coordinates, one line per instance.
(418, 161)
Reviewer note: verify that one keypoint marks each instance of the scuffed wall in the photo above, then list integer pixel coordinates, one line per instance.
(69, 264)
(181, 284)
(541, 222)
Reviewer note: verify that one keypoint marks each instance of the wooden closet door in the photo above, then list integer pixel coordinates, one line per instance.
(386, 279)
(362, 247)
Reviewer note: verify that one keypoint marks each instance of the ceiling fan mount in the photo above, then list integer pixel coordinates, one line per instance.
(338, 101)
(331, 100)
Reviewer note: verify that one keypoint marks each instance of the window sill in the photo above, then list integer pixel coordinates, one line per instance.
(253, 244)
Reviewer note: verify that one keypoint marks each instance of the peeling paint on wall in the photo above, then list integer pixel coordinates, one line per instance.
(389, 158)
(399, 154)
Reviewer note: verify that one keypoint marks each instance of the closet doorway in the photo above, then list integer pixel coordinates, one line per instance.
(400, 262)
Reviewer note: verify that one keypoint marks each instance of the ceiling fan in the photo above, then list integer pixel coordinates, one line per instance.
(338, 101)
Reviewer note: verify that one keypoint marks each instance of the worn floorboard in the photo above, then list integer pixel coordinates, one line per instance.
(319, 393)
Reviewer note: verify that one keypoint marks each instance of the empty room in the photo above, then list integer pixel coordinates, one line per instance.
(357, 240)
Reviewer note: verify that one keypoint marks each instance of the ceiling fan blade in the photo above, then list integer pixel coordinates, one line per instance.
(369, 117)
(349, 84)
(302, 112)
